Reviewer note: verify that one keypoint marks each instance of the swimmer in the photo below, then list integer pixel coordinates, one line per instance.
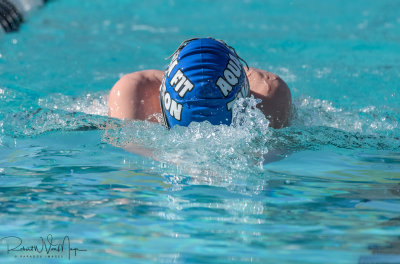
(203, 80)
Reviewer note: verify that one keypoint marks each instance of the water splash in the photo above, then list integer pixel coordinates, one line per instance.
(366, 120)
(52, 113)
(201, 148)
(203, 153)
(318, 124)
(91, 103)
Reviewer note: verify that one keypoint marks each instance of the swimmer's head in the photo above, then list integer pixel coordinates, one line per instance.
(202, 82)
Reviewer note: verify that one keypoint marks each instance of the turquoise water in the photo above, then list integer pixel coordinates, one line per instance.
(325, 190)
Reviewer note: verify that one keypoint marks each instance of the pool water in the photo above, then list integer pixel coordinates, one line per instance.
(324, 190)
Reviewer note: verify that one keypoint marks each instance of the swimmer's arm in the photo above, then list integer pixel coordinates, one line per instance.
(135, 95)
(275, 95)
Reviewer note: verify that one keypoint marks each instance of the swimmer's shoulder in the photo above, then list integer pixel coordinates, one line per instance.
(144, 77)
(264, 82)
(135, 95)
(275, 95)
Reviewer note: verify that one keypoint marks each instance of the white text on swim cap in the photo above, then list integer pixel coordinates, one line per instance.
(171, 67)
(174, 109)
(181, 82)
(231, 73)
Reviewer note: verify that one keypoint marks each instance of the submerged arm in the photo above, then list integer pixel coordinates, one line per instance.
(135, 96)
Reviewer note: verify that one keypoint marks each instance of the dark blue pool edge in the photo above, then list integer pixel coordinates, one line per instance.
(11, 17)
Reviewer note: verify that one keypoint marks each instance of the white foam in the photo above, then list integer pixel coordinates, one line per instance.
(368, 119)
(212, 155)
(91, 103)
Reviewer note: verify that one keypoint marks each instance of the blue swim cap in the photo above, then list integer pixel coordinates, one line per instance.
(201, 83)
